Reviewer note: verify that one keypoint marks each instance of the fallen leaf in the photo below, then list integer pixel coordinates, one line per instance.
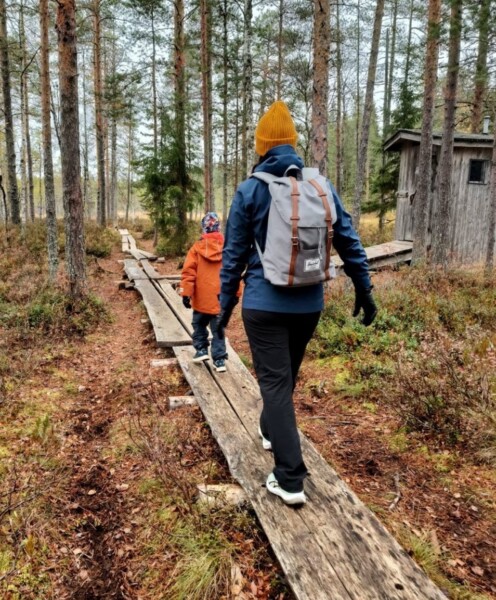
(477, 571)
(91, 492)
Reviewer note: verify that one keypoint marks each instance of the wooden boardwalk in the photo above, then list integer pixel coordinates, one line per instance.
(332, 548)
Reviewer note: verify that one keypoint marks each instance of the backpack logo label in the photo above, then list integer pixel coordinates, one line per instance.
(312, 264)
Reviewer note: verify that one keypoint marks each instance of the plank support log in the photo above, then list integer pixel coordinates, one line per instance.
(219, 495)
(180, 401)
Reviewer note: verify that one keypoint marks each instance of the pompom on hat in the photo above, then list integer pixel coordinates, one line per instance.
(275, 128)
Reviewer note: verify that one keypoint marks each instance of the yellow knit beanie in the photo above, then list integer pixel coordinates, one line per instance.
(275, 128)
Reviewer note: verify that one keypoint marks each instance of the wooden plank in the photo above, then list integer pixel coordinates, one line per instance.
(307, 568)
(157, 363)
(175, 303)
(180, 401)
(168, 331)
(123, 231)
(133, 271)
(344, 527)
(381, 255)
(221, 494)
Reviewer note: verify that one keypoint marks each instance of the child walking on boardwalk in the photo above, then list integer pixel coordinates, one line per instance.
(200, 288)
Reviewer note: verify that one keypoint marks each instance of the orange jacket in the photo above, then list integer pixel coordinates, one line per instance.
(200, 278)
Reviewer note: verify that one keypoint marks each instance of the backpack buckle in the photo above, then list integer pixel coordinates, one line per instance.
(295, 241)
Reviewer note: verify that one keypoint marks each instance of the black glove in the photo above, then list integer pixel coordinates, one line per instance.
(365, 300)
(224, 316)
(187, 301)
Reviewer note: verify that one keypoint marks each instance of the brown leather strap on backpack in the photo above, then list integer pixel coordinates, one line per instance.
(295, 242)
(328, 219)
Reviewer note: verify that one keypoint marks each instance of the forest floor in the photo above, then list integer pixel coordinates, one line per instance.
(98, 477)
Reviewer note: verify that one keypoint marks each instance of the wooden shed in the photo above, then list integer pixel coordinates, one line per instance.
(469, 191)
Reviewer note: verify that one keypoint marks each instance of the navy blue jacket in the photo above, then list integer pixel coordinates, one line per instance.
(248, 221)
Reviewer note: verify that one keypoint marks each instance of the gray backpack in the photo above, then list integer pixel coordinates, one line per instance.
(299, 230)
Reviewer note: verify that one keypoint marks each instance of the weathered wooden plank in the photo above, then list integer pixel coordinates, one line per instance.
(222, 494)
(180, 401)
(157, 363)
(175, 303)
(306, 566)
(168, 331)
(363, 553)
(133, 271)
(123, 231)
(381, 255)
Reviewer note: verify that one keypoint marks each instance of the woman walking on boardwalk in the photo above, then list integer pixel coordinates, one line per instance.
(280, 320)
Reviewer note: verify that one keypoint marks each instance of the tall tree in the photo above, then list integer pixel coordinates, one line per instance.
(180, 122)
(225, 88)
(99, 124)
(247, 91)
(481, 71)
(51, 216)
(442, 218)
(321, 55)
(423, 185)
(280, 36)
(206, 67)
(15, 211)
(25, 117)
(367, 114)
(69, 140)
(339, 104)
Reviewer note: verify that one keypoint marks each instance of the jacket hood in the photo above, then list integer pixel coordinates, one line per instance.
(278, 159)
(210, 246)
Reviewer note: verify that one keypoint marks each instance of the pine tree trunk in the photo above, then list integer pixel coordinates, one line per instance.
(15, 212)
(422, 199)
(154, 84)
(442, 218)
(69, 138)
(385, 127)
(51, 215)
(481, 74)
(367, 114)
(113, 143)
(206, 66)
(225, 131)
(246, 133)
(491, 242)
(321, 55)
(180, 117)
(280, 64)
(390, 66)
(408, 57)
(129, 164)
(339, 104)
(99, 125)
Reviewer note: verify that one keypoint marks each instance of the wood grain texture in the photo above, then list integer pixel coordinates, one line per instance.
(133, 270)
(168, 331)
(363, 555)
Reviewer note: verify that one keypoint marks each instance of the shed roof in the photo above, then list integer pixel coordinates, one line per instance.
(467, 140)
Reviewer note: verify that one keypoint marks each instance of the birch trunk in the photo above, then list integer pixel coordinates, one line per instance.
(367, 113)
(15, 212)
(442, 218)
(422, 200)
(69, 138)
(321, 55)
(481, 73)
(99, 125)
(51, 215)
(28, 155)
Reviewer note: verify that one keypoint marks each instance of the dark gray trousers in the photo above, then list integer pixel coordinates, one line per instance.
(278, 342)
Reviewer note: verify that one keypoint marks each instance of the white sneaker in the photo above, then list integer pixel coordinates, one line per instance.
(265, 442)
(287, 497)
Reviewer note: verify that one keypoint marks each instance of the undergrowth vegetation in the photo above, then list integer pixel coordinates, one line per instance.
(430, 355)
